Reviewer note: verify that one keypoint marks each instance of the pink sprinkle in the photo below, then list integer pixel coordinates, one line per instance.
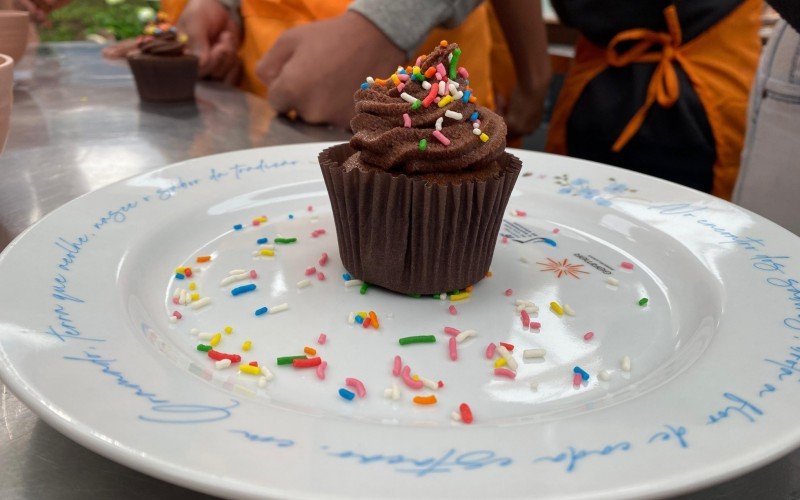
(556, 230)
(509, 292)
(398, 366)
(310, 208)
(410, 382)
(535, 325)
(490, 350)
(440, 384)
(177, 314)
(440, 136)
(175, 300)
(419, 60)
(588, 336)
(437, 99)
(478, 122)
(406, 120)
(438, 76)
(256, 222)
(440, 70)
(317, 232)
(310, 270)
(324, 259)
(526, 319)
(403, 77)
(463, 72)
(357, 385)
(453, 349)
(453, 310)
(577, 380)
(626, 265)
(521, 213)
(322, 339)
(504, 239)
(505, 372)
(321, 370)
(451, 331)
(401, 87)
(253, 274)
(321, 276)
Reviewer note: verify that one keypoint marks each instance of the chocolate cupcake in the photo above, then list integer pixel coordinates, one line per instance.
(418, 194)
(163, 70)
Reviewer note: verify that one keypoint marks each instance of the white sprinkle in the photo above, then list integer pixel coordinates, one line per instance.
(201, 303)
(533, 353)
(265, 246)
(352, 283)
(399, 69)
(351, 318)
(173, 319)
(454, 115)
(604, 375)
(177, 293)
(370, 79)
(222, 364)
(442, 296)
(205, 335)
(459, 95)
(234, 278)
(426, 85)
(510, 361)
(303, 283)
(475, 125)
(262, 382)
(408, 97)
(523, 260)
(626, 364)
(267, 375)
(534, 386)
(442, 88)
(387, 393)
(395, 391)
(430, 384)
(532, 310)
(439, 121)
(449, 57)
(194, 331)
(476, 131)
(278, 308)
(454, 83)
(456, 416)
(182, 298)
(569, 310)
(313, 220)
(612, 281)
(466, 334)
(236, 271)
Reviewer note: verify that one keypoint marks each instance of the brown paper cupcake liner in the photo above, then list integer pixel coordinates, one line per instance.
(412, 236)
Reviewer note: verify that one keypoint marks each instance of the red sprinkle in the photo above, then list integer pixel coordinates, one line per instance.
(256, 222)
(324, 259)
(322, 338)
(366, 322)
(588, 336)
(451, 331)
(490, 350)
(321, 276)
(577, 380)
(175, 300)
(253, 363)
(187, 272)
(504, 240)
(253, 274)
(626, 265)
(310, 270)
(466, 413)
(453, 310)
(535, 325)
(310, 208)
(521, 213)
(216, 355)
(526, 319)
(510, 347)
(505, 372)
(440, 384)
(177, 314)
(509, 292)
(556, 230)
(306, 363)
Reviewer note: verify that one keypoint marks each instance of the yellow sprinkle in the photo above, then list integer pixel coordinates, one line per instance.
(228, 330)
(267, 252)
(310, 351)
(250, 370)
(215, 339)
(247, 345)
(192, 286)
(444, 101)
(416, 69)
(488, 274)
(195, 296)
(499, 362)
(483, 136)
(183, 38)
(395, 80)
(263, 218)
(180, 270)
(556, 308)
(459, 296)
(415, 376)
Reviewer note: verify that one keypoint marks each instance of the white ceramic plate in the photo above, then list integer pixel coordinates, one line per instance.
(86, 341)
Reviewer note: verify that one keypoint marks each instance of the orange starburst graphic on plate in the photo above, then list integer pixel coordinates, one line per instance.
(562, 268)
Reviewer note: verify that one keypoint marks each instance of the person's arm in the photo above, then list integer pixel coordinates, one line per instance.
(524, 30)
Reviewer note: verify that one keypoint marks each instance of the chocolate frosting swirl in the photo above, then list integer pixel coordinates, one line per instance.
(384, 141)
(162, 44)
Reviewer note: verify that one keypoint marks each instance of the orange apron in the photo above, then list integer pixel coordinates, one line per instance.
(265, 20)
(720, 77)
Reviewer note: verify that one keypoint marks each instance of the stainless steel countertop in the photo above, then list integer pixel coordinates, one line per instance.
(77, 125)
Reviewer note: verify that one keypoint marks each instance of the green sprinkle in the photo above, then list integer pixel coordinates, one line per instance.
(454, 63)
(417, 339)
(643, 301)
(423, 145)
(364, 287)
(416, 104)
(285, 240)
(287, 360)
(203, 347)
(414, 295)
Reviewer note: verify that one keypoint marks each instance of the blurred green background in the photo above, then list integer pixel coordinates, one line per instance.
(110, 19)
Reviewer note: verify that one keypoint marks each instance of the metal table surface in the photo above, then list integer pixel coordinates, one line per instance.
(77, 125)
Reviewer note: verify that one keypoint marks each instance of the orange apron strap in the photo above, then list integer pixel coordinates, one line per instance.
(589, 62)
